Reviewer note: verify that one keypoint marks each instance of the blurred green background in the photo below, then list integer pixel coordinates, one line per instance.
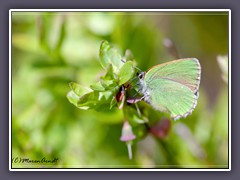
(51, 49)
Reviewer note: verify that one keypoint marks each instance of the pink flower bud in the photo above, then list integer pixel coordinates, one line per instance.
(127, 133)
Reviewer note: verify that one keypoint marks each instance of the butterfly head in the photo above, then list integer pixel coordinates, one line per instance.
(141, 75)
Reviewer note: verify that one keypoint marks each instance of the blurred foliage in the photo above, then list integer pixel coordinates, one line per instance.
(52, 50)
(223, 64)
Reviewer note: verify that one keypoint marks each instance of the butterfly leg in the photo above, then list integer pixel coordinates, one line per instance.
(135, 100)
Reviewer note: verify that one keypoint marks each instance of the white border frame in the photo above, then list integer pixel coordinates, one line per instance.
(118, 10)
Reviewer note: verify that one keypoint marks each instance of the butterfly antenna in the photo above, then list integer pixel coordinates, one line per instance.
(138, 69)
(124, 61)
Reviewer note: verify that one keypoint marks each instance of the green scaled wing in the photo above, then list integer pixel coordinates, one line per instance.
(173, 86)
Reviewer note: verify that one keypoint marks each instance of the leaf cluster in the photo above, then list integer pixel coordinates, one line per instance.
(101, 96)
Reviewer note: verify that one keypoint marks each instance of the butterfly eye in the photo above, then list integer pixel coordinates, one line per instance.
(141, 75)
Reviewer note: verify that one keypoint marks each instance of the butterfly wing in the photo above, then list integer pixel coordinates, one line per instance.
(173, 86)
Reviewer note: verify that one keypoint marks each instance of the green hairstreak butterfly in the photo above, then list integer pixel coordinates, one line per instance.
(172, 86)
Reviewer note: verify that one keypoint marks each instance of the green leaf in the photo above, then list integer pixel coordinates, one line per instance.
(108, 84)
(105, 100)
(99, 101)
(97, 87)
(78, 93)
(109, 56)
(73, 98)
(110, 75)
(78, 89)
(126, 72)
(105, 96)
(109, 81)
(88, 101)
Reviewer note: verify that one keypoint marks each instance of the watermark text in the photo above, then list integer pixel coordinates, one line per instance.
(20, 160)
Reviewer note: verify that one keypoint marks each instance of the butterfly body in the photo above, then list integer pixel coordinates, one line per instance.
(172, 86)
